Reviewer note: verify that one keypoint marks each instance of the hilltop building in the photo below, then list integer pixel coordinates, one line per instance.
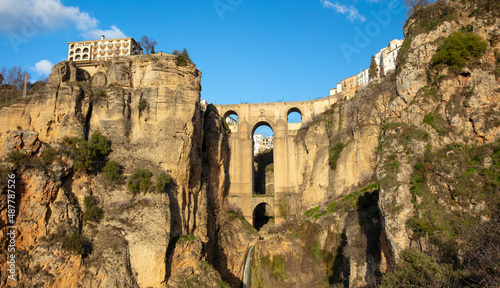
(386, 57)
(349, 86)
(102, 50)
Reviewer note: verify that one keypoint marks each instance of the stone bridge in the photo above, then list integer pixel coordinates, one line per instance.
(275, 115)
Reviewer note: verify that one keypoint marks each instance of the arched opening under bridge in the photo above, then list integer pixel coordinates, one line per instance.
(263, 214)
(263, 159)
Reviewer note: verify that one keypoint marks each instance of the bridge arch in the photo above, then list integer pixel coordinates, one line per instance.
(262, 214)
(233, 117)
(294, 115)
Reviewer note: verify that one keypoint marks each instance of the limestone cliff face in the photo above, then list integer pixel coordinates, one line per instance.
(435, 108)
(416, 135)
(148, 107)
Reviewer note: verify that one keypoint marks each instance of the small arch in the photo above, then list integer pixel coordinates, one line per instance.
(77, 57)
(263, 214)
(72, 46)
(70, 58)
(78, 50)
(86, 50)
(85, 56)
(294, 115)
(71, 53)
(231, 117)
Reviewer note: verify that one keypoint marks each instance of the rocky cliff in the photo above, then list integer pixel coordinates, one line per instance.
(148, 108)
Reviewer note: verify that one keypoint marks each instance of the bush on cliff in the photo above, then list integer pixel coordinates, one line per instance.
(87, 155)
(92, 212)
(458, 49)
(420, 270)
(140, 181)
(163, 182)
(113, 172)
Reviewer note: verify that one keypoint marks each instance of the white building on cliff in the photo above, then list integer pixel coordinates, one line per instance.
(102, 50)
(386, 57)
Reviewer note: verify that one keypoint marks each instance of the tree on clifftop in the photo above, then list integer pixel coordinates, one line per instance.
(373, 69)
(148, 44)
(182, 57)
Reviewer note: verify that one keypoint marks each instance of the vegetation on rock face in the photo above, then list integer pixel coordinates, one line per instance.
(140, 181)
(92, 212)
(113, 172)
(429, 17)
(71, 241)
(89, 155)
(458, 49)
(335, 154)
(163, 182)
(143, 104)
(436, 122)
(22, 161)
(420, 270)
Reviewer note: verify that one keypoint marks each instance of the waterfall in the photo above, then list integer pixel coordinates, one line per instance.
(247, 269)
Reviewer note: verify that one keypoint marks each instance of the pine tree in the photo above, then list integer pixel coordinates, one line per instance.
(373, 69)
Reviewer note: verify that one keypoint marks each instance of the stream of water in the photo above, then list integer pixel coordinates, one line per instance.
(247, 269)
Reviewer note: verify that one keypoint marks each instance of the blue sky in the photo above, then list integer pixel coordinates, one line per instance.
(248, 51)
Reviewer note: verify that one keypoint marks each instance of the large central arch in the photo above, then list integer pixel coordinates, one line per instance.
(261, 158)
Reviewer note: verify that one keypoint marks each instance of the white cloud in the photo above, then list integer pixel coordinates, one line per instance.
(27, 18)
(114, 32)
(351, 11)
(43, 67)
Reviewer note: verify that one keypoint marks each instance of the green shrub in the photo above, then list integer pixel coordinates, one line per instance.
(87, 155)
(17, 158)
(163, 181)
(140, 181)
(75, 243)
(458, 49)
(183, 58)
(92, 212)
(436, 122)
(21, 161)
(113, 172)
(100, 145)
(335, 154)
(143, 104)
